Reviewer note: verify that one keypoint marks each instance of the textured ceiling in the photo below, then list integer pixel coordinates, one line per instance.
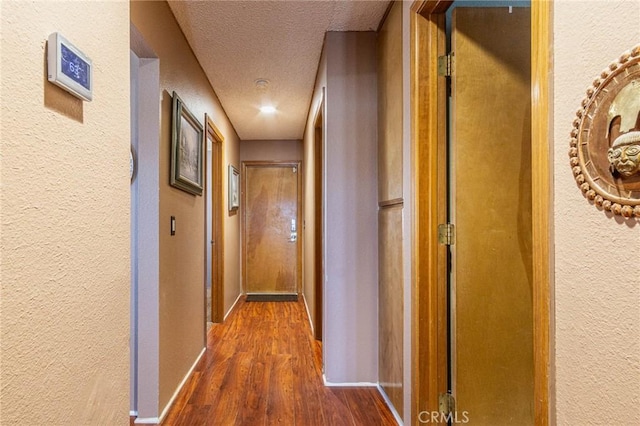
(238, 42)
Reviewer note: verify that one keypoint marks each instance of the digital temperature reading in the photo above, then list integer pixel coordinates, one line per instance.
(74, 67)
(69, 68)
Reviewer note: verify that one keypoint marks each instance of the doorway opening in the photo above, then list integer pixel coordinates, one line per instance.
(145, 228)
(434, 355)
(214, 241)
(318, 233)
(490, 332)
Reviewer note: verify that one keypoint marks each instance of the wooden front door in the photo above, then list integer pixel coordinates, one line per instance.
(491, 256)
(271, 243)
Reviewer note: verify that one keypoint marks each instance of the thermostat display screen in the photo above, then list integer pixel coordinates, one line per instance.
(68, 67)
(74, 67)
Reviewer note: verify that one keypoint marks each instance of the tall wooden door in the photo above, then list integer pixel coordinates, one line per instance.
(490, 181)
(272, 195)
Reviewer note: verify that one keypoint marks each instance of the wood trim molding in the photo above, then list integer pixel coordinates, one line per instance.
(318, 218)
(429, 357)
(428, 7)
(213, 130)
(391, 203)
(541, 42)
(217, 227)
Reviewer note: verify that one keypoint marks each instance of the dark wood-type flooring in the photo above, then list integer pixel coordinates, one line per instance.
(263, 367)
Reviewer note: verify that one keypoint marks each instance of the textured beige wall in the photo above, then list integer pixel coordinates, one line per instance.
(64, 220)
(182, 256)
(271, 150)
(597, 297)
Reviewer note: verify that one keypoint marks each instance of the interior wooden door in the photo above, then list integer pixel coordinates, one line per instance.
(271, 228)
(490, 180)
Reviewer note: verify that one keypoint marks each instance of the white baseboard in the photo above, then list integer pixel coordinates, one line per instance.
(390, 405)
(313, 331)
(232, 306)
(348, 384)
(158, 420)
(147, 421)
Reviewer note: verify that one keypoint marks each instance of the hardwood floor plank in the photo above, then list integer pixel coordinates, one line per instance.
(336, 410)
(183, 397)
(386, 415)
(280, 409)
(262, 367)
(193, 415)
(363, 405)
(317, 357)
(254, 410)
(232, 391)
(208, 389)
(307, 401)
(283, 344)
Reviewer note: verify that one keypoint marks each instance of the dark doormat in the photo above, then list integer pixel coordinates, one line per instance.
(272, 297)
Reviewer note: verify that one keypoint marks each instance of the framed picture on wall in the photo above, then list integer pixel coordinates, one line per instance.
(234, 188)
(186, 149)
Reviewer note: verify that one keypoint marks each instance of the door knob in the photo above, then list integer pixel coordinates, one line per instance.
(294, 237)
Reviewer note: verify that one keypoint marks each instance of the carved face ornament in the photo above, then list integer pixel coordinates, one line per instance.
(624, 131)
(624, 155)
(605, 140)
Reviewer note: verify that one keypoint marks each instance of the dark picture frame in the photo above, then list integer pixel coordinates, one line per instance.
(187, 149)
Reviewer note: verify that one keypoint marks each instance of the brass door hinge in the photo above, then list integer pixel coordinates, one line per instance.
(446, 234)
(445, 65)
(446, 403)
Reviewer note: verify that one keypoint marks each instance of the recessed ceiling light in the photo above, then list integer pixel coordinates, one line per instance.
(268, 109)
(262, 83)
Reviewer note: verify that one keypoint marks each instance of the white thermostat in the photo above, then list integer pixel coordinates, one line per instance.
(69, 68)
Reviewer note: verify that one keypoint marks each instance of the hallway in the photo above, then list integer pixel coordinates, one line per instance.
(262, 366)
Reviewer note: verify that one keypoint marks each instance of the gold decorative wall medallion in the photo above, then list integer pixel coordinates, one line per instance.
(605, 139)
